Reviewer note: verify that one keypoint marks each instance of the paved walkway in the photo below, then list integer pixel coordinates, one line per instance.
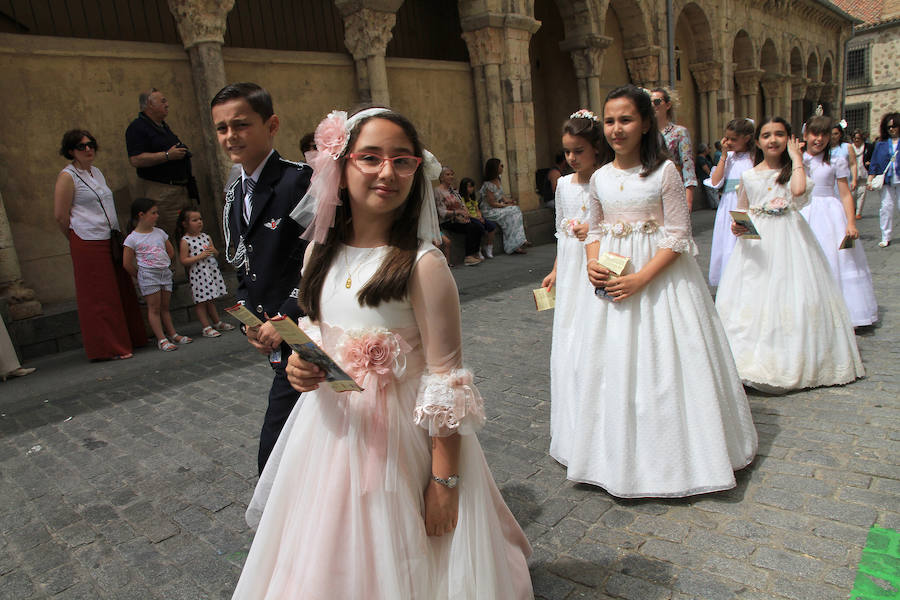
(129, 479)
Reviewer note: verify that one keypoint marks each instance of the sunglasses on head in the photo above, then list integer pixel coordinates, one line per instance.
(85, 145)
(891, 126)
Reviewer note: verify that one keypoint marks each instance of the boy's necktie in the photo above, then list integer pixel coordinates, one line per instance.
(249, 184)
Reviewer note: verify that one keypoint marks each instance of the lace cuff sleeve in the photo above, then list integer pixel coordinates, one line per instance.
(676, 217)
(449, 403)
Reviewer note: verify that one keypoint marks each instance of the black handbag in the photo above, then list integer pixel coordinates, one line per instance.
(116, 239)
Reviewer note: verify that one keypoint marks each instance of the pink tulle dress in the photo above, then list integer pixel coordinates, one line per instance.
(339, 508)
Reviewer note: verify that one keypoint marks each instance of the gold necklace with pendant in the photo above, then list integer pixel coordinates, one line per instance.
(349, 283)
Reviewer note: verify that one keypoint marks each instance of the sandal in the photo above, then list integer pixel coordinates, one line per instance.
(223, 326)
(210, 332)
(123, 356)
(181, 339)
(166, 346)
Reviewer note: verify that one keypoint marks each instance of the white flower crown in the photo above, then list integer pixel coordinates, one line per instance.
(584, 113)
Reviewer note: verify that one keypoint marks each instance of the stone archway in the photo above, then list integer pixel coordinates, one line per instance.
(697, 77)
(813, 87)
(554, 78)
(746, 75)
(828, 95)
(768, 103)
(640, 54)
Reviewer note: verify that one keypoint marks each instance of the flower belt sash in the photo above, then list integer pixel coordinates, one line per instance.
(775, 207)
(375, 357)
(567, 227)
(621, 229)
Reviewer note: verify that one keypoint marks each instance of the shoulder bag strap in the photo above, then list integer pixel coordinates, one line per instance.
(98, 199)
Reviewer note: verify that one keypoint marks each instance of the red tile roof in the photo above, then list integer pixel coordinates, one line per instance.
(870, 11)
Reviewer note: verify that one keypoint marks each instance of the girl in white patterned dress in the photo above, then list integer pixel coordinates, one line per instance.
(574, 294)
(662, 411)
(783, 312)
(198, 255)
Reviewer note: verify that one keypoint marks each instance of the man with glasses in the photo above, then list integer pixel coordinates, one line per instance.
(163, 163)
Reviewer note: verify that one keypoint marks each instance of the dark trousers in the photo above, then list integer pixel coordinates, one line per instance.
(282, 398)
(473, 232)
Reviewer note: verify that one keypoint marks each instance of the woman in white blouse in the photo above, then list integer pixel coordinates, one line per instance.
(108, 312)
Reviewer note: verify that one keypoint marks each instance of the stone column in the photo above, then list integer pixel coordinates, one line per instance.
(748, 88)
(587, 57)
(368, 27)
(485, 55)
(643, 65)
(773, 88)
(498, 50)
(21, 299)
(798, 94)
(708, 76)
(201, 25)
(827, 96)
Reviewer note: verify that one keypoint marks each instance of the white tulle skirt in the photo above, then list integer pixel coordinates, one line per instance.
(786, 320)
(328, 530)
(828, 222)
(660, 409)
(722, 239)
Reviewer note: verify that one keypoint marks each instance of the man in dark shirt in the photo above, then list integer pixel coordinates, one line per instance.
(163, 163)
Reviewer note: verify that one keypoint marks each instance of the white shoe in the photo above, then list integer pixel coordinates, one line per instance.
(884, 243)
(488, 252)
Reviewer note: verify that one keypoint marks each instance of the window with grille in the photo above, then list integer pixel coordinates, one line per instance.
(858, 67)
(857, 116)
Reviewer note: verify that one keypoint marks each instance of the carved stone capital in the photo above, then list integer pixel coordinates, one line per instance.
(200, 21)
(773, 86)
(798, 86)
(828, 92)
(367, 32)
(643, 65)
(708, 75)
(587, 54)
(748, 81)
(812, 90)
(485, 46)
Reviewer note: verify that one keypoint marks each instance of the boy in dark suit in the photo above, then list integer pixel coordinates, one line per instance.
(262, 241)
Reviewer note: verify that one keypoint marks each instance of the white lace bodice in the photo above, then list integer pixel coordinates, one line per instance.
(572, 204)
(623, 196)
(824, 174)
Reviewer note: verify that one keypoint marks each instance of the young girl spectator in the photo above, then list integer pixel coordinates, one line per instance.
(784, 315)
(455, 217)
(661, 409)
(382, 494)
(148, 254)
(832, 218)
(467, 193)
(886, 160)
(198, 255)
(505, 211)
(581, 135)
(844, 149)
(726, 176)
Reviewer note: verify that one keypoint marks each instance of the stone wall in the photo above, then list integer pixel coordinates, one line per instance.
(883, 95)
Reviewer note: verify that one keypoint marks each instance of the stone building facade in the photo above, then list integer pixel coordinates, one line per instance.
(480, 78)
(873, 54)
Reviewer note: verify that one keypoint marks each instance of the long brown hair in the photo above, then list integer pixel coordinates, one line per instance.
(391, 280)
(652, 152)
(786, 164)
(817, 126)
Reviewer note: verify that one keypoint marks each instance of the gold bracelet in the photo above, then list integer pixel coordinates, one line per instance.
(796, 169)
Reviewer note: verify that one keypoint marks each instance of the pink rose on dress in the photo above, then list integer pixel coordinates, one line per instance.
(374, 351)
(332, 135)
(778, 203)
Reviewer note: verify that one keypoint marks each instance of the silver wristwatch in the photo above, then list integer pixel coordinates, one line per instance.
(451, 482)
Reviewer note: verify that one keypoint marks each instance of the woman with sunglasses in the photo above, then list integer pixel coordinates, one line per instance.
(677, 141)
(83, 206)
(886, 159)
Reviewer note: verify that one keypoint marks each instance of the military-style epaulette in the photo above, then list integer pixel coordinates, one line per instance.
(297, 164)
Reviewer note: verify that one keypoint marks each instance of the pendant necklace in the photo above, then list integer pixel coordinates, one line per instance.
(349, 283)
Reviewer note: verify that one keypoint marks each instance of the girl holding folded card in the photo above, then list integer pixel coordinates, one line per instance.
(661, 411)
(581, 135)
(783, 312)
(383, 493)
(832, 216)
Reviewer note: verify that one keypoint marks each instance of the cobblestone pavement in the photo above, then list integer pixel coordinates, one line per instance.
(129, 479)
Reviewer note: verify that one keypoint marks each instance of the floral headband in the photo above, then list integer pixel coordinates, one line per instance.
(317, 208)
(584, 113)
